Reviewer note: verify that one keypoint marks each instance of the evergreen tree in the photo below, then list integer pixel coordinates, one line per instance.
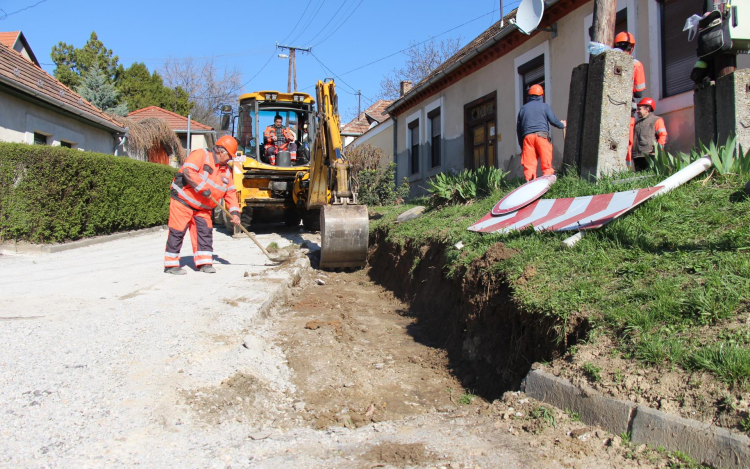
(140, 89)
(72, 64)
(101, 94)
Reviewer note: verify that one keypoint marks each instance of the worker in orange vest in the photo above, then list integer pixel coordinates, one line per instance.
(626, 42)
(205, 174)
(532, 131)
(648, 128)
(279, 138)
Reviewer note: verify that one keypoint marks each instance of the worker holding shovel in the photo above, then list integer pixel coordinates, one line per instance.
(203, 179)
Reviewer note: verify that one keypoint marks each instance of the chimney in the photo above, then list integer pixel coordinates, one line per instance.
(406, 86)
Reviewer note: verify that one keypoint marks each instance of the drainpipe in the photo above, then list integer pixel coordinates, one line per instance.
(188, 136)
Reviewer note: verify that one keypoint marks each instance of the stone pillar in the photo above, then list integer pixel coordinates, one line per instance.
(705, 114)
(576, 108)
(609, 92)
(733, 108)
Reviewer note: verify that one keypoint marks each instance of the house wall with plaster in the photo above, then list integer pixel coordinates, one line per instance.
(19, 120)
(561, 55)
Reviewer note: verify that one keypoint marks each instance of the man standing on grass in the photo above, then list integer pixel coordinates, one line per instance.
(648, 128)
(532, 129)
(204, 175)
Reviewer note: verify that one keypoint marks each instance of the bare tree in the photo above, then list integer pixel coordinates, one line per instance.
(207, 86)
(421, 60)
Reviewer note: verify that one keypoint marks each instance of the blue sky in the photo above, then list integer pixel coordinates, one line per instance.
(243, 34)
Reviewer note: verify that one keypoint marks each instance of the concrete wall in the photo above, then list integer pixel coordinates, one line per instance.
(380, 136)
(19, 120)
(562, 54)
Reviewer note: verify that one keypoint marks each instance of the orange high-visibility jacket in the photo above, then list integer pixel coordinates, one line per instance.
(201, 176)
(271, 132)
(639, 77)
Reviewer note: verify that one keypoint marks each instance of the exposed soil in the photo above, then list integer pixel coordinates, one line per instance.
(694, 395)
(491, 344)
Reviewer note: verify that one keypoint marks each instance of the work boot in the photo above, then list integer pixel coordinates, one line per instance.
(209, 269)
(175, 271)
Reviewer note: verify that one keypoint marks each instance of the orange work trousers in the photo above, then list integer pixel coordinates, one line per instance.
(182, 218)
(535, 147)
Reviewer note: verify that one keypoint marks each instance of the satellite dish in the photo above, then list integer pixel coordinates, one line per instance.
(529, 15)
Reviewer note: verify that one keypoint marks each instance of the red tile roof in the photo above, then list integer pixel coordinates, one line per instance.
(176, 122)
(28, 78)
(376, 112)
(10, 38)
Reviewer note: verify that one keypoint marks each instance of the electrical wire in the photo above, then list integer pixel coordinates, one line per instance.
(329, 22)
(310, 22)
(335, 30)
(261, 69)
(298, 21)
(22, 9)
(334, 74)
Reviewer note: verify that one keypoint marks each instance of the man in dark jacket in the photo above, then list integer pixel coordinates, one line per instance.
(532, 129)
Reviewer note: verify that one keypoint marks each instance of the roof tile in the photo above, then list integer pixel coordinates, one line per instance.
(376, 112)
(14, 67)
(176, 122)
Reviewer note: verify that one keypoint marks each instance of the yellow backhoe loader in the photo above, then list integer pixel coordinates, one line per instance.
(315, 188)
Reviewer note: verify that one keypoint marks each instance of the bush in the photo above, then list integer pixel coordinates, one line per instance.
(378, 186)
(467, 185)
(53, 194)
(375, 184)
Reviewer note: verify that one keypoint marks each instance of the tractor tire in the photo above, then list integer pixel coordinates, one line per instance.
(311, 220)
(246, 218)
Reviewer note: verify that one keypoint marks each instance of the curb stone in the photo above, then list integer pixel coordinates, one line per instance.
(714, 445)
(29, 248)
(281, 294)
(609, 414)
(709, 444)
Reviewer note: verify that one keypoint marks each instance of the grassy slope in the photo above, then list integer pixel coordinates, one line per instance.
(661, 281)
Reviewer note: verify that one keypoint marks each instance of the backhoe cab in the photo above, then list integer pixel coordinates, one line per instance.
(314, 187)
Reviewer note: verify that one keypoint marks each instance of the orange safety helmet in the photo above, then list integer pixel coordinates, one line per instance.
(536, 90)
(648, 102)
(625, 37)
(229, 143)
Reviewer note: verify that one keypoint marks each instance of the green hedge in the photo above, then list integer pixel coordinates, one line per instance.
(54, 194)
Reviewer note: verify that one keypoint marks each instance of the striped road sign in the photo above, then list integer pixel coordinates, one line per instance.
(579, 213)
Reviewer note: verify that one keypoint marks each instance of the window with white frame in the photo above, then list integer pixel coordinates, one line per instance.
(433, 119)
(677, 54)
(414, 146)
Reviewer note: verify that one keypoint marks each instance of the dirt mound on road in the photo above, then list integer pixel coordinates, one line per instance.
(399, 454)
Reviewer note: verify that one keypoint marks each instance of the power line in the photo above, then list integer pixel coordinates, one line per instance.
(417, 44)
(354, 91)
(22, 9)
(309, 22)
(335, 30)
(261, 69)
(298, 21)
(329, 22)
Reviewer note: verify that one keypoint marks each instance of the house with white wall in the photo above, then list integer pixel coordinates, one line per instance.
(38, 109)
(463, 114)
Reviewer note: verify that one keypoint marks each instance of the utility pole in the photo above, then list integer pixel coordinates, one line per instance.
(292, 63)
(359, 103)
(605, 16)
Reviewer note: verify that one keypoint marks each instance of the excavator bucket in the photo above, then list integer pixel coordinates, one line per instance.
(344, 234)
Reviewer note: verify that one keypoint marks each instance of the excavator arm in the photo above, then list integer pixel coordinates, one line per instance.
(344, 225)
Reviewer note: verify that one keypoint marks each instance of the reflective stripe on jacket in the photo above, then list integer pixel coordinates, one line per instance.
(201, 176)
(646, 131)
(639, 77)
(271, 132)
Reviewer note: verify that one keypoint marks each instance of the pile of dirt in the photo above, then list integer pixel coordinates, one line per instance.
(491, 343)
(400, 454)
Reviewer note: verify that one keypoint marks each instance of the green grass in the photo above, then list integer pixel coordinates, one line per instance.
(544, 413)
(592, 371)
(466, 399)
(272, 247)
(661, 281)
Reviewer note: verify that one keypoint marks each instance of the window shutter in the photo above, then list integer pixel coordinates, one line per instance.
(678, 55)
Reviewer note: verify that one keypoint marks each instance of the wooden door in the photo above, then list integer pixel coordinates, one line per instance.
(481, 134)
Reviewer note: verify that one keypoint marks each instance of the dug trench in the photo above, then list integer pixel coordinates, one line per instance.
(409, 367)
(490, 342)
